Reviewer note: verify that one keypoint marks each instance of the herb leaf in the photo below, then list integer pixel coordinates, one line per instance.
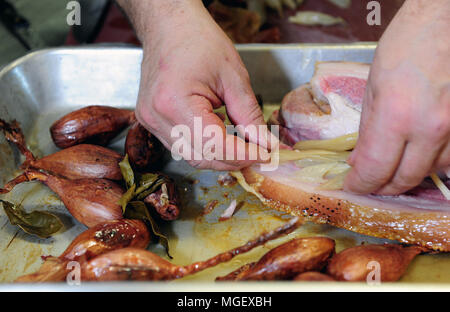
(153, 188)
(39, 223)
(127, 172)
(138, 210)
(138, 188)
(127, 197)
(145, 181)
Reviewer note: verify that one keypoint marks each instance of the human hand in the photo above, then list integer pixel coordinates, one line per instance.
(190, 67)
(405, 124)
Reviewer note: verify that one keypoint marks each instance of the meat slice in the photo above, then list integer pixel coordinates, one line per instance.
(342, 82)
(421, 216)
(328, 107)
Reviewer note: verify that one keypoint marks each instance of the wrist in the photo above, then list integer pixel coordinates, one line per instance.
(425, 10)
(151, 17)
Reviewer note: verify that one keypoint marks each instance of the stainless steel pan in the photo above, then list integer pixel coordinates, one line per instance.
(38, 88)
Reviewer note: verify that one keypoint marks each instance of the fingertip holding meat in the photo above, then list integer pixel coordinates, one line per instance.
(390, 261)
(91, 124)
(144, 150)
(314, 277)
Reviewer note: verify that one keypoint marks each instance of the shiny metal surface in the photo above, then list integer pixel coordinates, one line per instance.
(41, 87)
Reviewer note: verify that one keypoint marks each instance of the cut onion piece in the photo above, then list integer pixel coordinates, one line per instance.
(343, 4)
(339, 168)
(313, 18)
(339, 144)
(315, 173)
(337, 183)
(322, 155)
(228, 213)
(440, 185)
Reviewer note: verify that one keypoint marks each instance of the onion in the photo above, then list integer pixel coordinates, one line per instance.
(343, 4)
(339, 144)
(315, 173)
(313, 18)
(228, 213)
(336, 183)
(339, 168)
(321, 155)
(321, 172)
(440, 185)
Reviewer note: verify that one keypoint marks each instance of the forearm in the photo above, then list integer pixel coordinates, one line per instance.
(418, 9)
(148, 16)
(419, 32)
(417, 15)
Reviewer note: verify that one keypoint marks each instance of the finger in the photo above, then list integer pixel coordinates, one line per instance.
(243, 109)
(377, 154)
(216, 165)
(209, 141)
(367, 112)
(163, 127)
(416, 164)
(443, 161)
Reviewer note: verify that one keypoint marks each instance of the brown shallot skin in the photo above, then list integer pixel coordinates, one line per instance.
(143, 149)
(165, 201)
(90, 201)
(105, 237)
(290, 259)
(138, 264)
(81, 162)
(232, 276)
(93, 242)
(130, 264)
(76, 162)
(353, 264)
(52, 270)
(102, 238)
(314, 277)
(92, 124)
(8, 187)
(13, 134)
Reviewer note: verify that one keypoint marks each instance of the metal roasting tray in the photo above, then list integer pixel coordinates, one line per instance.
(42, 86)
